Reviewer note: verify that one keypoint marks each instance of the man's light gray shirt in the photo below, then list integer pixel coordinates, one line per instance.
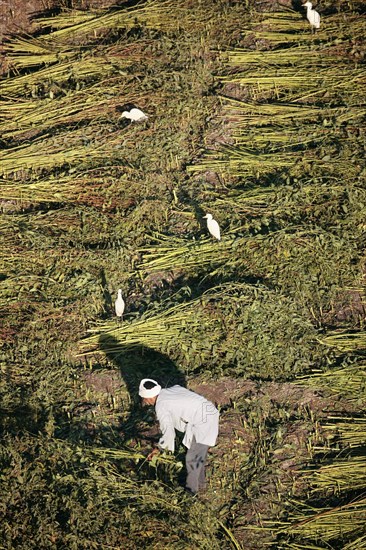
(180, 409)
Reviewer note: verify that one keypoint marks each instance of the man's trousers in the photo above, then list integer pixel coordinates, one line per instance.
(195, 464)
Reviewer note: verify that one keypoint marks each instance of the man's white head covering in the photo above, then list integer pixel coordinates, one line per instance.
(152, 392)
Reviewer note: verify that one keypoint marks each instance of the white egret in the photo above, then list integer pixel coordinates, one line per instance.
(312, 15)
(135, 115)
(213, 226)
(119, 305)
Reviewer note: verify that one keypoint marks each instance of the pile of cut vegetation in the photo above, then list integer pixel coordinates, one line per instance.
(253, 118)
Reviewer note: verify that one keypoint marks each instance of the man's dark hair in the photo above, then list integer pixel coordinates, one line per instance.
(149, 385)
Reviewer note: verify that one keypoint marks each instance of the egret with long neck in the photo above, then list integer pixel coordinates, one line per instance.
(119, 305)
(312, 16)
(134, 115)
(213, 227)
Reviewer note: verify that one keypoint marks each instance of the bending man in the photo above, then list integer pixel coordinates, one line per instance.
(180, 409)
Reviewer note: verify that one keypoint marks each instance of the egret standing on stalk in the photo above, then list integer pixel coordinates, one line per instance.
(135, 115)
(213, 226)
(312, 15)
(119, 305)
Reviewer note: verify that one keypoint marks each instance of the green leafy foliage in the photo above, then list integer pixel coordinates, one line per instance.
(252, 118)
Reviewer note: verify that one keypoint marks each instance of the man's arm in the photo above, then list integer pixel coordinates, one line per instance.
(167, 438)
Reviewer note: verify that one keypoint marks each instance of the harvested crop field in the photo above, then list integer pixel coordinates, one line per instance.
(251, 117)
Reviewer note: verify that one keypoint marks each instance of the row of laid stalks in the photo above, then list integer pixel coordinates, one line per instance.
(287, 28)
(350, 431)
(349, 380)
(82, 189)
(91, 103)
(59, 75)
(77, 63)
(158, 329)
(33, 119)
(32, 52)
(293, 80)
(63, 43)
(241, 160)
(47, 154)
(347, 341)
(287, 114)
(342, 475)
(297, 55)
(290, 93)
(254, 255)
(332, 523)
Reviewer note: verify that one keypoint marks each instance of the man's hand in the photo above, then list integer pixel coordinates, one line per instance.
(153, 453)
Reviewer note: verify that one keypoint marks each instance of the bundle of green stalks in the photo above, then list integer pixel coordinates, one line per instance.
(91, 103)
(159, 329)
(348, 381)
(306, 79)
(297, 55)
(83, 188)
(280, 140)
(286, 115)
(329, 525)
(358, 544)
(67, 18)
(346, 341)
(83, 70)
(283, 28)
(342, 475)
(181, 253)
(93, 203)
(64, 149)
(125, 454)
(351, 431)
(24, 53)
(27, 53)
(181, 332)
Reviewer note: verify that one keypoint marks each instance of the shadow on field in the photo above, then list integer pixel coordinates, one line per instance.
(134, 364)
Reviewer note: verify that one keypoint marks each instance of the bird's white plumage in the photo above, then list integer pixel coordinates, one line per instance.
(119, 304)
(312, 15)
(135, 115)
(213, 226)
